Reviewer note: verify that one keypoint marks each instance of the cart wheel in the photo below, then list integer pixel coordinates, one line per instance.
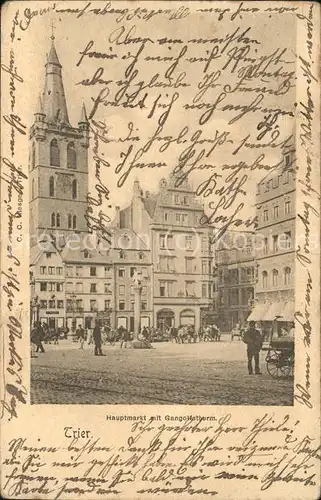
(272, 363)
(273, 369)
(278, 366)
(285, 371)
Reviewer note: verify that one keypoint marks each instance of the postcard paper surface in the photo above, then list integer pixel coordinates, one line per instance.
(160, 250)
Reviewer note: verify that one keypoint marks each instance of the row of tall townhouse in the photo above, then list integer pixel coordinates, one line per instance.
(236, 277)
(78, 285)
(159, 235)
(275, 242)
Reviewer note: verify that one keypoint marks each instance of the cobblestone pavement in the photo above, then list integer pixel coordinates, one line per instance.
(203, 373)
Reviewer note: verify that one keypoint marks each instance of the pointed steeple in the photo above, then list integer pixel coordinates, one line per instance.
(83, 120)
(40, 106)
(83, 115)
(54, 101)
(53, 58)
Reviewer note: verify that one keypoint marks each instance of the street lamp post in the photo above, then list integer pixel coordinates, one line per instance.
(34, 310)
(73, 306)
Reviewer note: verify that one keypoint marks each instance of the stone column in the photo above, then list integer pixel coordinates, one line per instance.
(197, 318)
(137, 309)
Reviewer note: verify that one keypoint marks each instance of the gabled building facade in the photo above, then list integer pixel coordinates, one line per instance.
(181, 253)
(47, 281)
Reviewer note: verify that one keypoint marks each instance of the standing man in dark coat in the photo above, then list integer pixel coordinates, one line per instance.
(97, 340)
(80, 332)
(39, 338)
(253, 339)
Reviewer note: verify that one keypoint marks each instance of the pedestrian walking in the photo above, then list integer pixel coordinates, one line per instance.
(97, 340)
(126, 337)
(80, 332)
(39, 336)
(33, 340)
(253, 339)
(145, 333)
(90, 333)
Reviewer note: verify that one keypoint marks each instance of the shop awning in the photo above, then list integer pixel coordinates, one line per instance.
(274, 311)
(287, 313)
(258, 312)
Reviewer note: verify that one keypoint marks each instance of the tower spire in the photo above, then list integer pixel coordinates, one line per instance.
(54, 101)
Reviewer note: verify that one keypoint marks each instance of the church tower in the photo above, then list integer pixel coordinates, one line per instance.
(58, 163)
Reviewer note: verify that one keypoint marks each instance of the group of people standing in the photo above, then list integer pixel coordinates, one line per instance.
(251, 336)
(93, 335)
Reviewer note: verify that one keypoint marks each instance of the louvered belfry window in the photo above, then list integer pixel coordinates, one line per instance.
(54, 153)
(71, 156)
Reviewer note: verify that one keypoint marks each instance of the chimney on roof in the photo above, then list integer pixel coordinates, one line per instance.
(137, 192)
(117, 216)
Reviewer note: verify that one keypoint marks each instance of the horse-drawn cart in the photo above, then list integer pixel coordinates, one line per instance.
(280, 357)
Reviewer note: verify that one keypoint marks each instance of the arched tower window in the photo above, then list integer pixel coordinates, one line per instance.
(74, 189)
(287, 276)
(69, 221)
(58, 220)
(33, 155)
(265, 279)
(54, 153)
(74, 222)
(275, 277)
(71, 156)
(53, 220)
(52, 186)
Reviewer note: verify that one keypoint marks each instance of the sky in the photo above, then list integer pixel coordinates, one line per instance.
(72, 34)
